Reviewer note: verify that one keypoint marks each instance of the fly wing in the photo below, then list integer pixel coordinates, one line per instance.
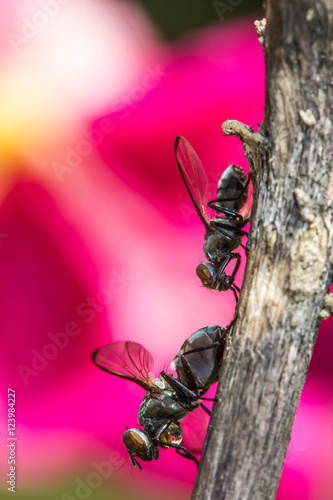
(194, 428)
(194, 177)
(127, 360)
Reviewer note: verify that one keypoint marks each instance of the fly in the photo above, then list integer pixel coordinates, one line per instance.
(168, 400)
(224, 230)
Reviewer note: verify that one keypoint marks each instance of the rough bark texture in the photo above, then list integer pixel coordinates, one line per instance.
(289, 264)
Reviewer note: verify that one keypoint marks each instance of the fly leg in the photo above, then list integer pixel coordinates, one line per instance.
(235, 289)
(135, 463)
(219, 226)
(226, 280)
(183, 452)
(184, 394)
(205, 407)
(226, 211)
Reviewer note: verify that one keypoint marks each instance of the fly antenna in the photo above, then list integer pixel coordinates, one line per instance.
(122, 465)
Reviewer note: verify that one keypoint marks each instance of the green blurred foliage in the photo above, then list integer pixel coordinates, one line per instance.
(112, 488)
(175, 17)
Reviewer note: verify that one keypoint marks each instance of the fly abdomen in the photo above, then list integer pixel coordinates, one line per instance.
(232, 184)
(197, 363)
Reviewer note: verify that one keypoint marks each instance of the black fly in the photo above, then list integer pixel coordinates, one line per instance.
(168, 400)
(224, 231)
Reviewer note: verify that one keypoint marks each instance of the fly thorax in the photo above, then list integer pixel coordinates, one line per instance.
(217, 244)
(172, 406)
(149, 411)
(211, 246)
(159, 408)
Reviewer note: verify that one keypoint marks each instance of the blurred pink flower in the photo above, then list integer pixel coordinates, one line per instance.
(101, 245)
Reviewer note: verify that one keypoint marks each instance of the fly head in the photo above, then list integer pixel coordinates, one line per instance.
(139, 445)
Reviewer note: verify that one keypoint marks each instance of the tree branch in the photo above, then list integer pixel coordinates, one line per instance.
(289, 264)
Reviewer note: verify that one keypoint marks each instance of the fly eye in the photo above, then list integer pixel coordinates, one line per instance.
(135, 441)
(138, 444)
(203, 272)
(206, 273)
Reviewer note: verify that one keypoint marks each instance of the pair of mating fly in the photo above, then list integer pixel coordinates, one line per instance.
(170, 399)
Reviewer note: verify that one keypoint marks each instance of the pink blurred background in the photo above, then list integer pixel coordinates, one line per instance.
(99, 242)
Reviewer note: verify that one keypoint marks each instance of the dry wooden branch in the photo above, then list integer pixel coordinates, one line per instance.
(289, 265)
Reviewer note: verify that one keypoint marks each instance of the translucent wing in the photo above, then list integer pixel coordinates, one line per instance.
(194, 428)
(194, 177)
(127, 360)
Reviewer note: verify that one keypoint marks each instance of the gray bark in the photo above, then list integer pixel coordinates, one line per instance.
(289, 262)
